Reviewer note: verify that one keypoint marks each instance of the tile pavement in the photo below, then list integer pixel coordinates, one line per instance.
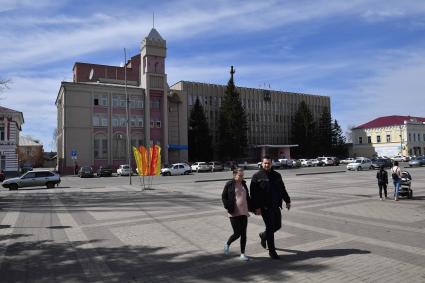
(337, 231)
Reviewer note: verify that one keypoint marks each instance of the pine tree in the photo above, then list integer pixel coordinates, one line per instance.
(303, 132)
(338, 140)
(200, 147)
(232, 136)
(324, 133)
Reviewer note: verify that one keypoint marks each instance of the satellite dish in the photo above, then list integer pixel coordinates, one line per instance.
(91, 74)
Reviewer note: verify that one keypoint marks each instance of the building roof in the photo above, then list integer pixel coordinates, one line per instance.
(18, 116)
(386, 121)
(154, 34)
(28, 141)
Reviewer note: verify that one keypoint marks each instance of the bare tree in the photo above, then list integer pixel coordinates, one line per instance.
(4, 84)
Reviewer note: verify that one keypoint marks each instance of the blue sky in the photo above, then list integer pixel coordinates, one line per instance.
(368, 56)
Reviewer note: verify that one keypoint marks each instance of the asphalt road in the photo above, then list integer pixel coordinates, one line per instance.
(104, 230)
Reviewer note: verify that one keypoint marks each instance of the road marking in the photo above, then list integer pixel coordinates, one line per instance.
(9, 220)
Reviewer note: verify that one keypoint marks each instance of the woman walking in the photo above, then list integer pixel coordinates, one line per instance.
(382, 177)
(235, 199)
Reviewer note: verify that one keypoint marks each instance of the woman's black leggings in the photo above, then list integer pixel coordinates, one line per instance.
(239, 224)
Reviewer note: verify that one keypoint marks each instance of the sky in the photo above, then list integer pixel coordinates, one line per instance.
(368, 56)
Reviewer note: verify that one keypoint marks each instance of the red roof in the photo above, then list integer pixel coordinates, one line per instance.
(4, 109)
(389, 121)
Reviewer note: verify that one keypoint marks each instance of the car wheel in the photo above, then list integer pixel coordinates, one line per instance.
(13, 187)
(167, 174)
(359, 168)
(410, 195)
(50, 185)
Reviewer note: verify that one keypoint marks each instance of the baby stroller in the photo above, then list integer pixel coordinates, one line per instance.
(405, 185)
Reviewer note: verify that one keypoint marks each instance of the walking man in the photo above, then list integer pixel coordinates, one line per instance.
(267, 191)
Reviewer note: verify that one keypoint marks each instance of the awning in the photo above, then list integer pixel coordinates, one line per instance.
(177, 147)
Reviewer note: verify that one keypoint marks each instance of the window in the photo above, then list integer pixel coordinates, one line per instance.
(122, 101)
(140, 122)
(119, 146)
(410, 136)
(360, 140)
(369, 139)
(115, 121)
(133, 121)
(104, 121)
(414, 137)
(152, 124)
(100, 147)
(158, 124)
(96, 101)
(104, 100)
(378, 138)
(2, 133)
(419, 137)
(155, 103)
(96, 121)
(388, 138)
(115, 101)
(122, 121)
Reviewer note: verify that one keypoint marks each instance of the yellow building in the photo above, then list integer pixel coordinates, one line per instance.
(390, 136)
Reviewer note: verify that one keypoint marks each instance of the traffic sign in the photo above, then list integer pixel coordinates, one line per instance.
(73, 153)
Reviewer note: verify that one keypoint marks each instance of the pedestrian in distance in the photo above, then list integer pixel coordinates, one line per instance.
(396, 176)
(236, 201)
(382, 177)
(267, 192)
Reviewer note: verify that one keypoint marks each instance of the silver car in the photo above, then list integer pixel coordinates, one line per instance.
(33, 179)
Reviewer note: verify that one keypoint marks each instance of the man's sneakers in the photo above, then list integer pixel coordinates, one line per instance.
(226, 249)
(274, 255)
(263, 240)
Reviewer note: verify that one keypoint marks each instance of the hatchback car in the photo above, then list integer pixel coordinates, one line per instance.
(104, 171)
(124, 170)
(33, 179)
(417, 161)
(201, 166)
(85, 171)
(306, 163)
(378, 162)
(360, 164)
(176, 169)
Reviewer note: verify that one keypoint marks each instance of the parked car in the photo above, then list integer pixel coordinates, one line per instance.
(336, 161)
(104, 171)
(378, 162)
(275, 164)
(124, 170)
(360, 164)
(285, 163)
(325, 161)
(200, 166)
(33, 179)
(176, 169)
(216, 166)
(314, 162)
(418, 161)
(306, 163)
(347, 160)
(400, 158)
(230, 165)
(85, 171)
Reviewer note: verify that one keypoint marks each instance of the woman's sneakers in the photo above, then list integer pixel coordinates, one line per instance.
(226, 249)
(243, 257)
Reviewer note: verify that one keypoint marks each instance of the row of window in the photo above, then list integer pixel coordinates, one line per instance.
(119, 146)
(412, 137)
(119, 101)
(101, 120)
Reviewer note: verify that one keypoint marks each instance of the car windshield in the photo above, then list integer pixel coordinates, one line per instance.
(358, 161)
(126, 167)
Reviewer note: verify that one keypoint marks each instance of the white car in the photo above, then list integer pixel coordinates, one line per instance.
(314, 162)
(360, 164)
(348, 160)
(275, 164)
(325, 161)
(124, 170)
(176, 169)
(306, 163)
(400, 158)
(201, 166)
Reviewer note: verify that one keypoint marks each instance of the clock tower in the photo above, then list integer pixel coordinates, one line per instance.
(154, 81)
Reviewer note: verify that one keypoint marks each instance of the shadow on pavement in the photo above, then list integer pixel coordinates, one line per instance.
(47, 261)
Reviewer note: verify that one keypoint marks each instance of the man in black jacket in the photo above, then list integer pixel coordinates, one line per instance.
(267, 191)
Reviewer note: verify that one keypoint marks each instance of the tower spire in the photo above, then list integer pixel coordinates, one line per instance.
(232, 71)
(153, 19)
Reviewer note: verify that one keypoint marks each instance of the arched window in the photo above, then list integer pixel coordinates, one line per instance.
(100, 146)
(119, 142)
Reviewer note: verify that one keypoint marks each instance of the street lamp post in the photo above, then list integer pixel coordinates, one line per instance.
(128, 115)
(401, 141)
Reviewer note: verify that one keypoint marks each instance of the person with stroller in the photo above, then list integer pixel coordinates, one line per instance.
(396, 175)
(382, 177)
(236, 201)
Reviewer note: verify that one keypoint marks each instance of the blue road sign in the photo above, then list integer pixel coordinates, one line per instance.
(73, 153)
